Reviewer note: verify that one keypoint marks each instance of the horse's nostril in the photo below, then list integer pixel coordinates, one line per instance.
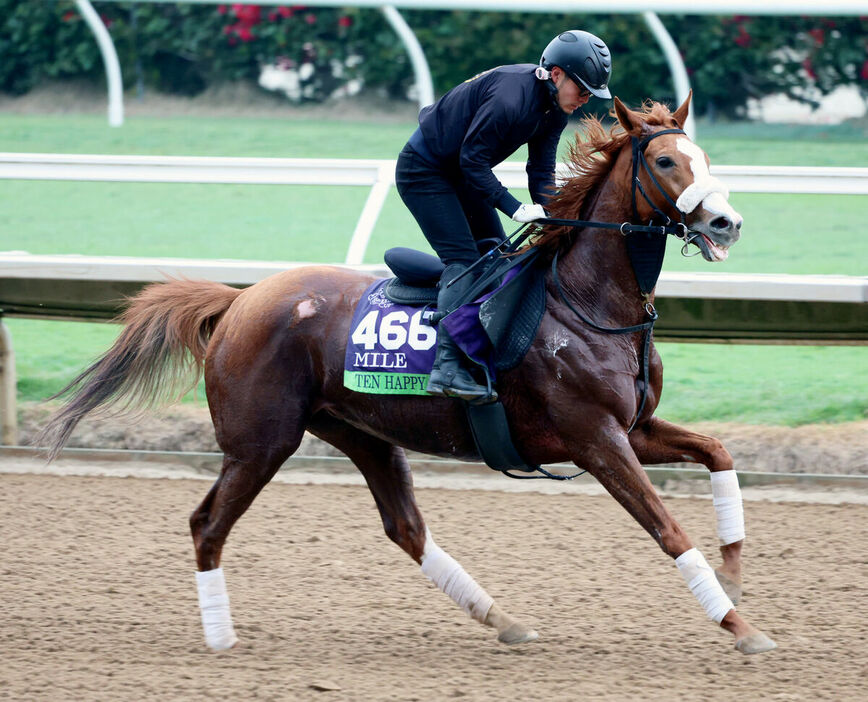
(721, 224)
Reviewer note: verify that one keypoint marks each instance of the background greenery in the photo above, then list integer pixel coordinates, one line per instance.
(782, 233)
(185, 48)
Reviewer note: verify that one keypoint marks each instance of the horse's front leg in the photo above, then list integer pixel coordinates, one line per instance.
(612, 461)
(658, 441)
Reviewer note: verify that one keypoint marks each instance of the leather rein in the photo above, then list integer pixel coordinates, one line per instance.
(677, 229)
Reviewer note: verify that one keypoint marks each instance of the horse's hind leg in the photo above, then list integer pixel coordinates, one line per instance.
(248, 465)
(658, 441)
(388, 475)
(614, 464)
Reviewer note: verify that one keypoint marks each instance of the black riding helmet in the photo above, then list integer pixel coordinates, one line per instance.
(584, 57)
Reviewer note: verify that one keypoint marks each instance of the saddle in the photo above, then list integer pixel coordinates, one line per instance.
(509, 299)
(511, 306)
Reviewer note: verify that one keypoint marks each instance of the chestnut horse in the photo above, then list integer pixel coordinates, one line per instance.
(273, 359)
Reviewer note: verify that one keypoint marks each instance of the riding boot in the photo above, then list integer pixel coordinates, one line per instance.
(448, 377)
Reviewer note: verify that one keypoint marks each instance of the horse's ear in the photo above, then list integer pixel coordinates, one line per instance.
(680, 115)
(630, 120)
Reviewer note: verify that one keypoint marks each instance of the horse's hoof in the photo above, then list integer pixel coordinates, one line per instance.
(224, 646)
(730, 587)
(517, 634)
(757, 642)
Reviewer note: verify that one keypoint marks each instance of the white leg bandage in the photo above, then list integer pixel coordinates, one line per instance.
(447, 574)
(214, 605)
(727, 504)
(703, 584)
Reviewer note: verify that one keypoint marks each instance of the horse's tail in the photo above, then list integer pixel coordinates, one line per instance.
(157, 357)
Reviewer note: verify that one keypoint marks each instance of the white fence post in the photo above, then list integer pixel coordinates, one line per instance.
(8, 389)
(110, 59)
(370, 214)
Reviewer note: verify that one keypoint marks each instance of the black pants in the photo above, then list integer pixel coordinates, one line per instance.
(452, 216)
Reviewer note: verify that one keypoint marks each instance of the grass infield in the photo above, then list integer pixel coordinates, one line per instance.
(782, 233)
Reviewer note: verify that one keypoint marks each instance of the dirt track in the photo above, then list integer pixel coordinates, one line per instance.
(98, 599)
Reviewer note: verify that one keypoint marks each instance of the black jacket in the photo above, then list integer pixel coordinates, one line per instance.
(482, 121)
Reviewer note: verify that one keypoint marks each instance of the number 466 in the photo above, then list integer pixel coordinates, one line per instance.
(393, 331)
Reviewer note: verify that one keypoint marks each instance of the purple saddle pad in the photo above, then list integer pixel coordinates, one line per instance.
(391, 347)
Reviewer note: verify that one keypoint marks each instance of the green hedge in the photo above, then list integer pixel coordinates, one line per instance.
(184, 48)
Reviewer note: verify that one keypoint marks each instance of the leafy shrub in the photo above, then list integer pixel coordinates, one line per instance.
(184, 48)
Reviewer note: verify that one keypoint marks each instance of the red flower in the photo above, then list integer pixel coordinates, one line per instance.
(70, 16)
(245, 34)
(819, 36)
(107, 21)
(228, 29)
(345, 21)
(222, 9)
(310, 18)
(233, 41)
(863, 74)
(248, 14)
(273, 17)
(743, 38)
(285, 11)
(808, 65)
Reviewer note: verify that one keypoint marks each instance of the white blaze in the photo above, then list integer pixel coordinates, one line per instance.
(705, 188)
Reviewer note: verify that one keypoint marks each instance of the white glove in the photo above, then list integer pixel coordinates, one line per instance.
(528, 213)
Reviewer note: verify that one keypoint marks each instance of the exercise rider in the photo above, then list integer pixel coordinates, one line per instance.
(444, 173)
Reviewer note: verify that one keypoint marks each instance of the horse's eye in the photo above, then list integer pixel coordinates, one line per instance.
(665, 162)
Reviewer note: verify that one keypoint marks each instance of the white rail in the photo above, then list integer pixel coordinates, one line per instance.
(696, 306)
(63, 268)
(375, 174)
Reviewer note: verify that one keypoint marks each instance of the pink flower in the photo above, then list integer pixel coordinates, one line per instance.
(345, 21)
(819, 36)
(273, 17)
(863, 74)
(285, 11)
(245, 34)
(310, 18)
(222, 9)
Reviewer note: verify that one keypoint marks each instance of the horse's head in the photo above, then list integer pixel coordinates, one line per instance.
(690, 193)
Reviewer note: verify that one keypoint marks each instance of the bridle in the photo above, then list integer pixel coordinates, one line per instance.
(677, 229)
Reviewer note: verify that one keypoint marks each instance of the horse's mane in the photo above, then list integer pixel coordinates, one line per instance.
(589, 162)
